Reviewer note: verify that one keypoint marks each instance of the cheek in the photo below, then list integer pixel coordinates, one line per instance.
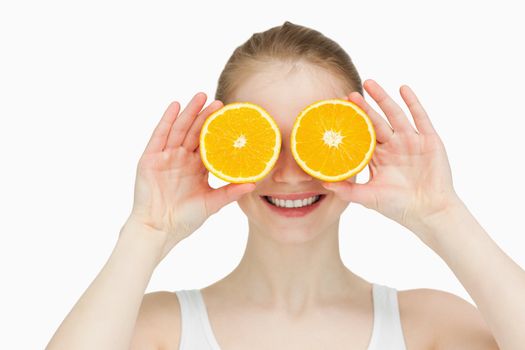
(248, 203)
(338, 204)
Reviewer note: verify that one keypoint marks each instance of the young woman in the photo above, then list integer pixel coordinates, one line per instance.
(291, 289)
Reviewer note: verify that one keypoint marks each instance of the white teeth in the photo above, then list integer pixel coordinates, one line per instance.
(297, 203)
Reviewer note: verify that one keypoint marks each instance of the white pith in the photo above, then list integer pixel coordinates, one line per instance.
(297, 203)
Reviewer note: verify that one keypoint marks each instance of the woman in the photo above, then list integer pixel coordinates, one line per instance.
(291, 290)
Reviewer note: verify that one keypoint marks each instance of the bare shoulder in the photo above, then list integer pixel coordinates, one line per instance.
(446, 320)
(158, 322)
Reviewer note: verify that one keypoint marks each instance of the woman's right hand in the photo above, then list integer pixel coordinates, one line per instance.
(172, 197)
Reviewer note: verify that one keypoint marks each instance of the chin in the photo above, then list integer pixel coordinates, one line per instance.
(296, 235)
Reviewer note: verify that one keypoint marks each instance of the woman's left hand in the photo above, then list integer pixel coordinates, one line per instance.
(410, 177)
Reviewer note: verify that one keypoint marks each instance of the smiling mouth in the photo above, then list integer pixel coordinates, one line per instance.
(283, 204)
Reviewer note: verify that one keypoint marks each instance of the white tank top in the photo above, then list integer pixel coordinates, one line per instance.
(197, 334)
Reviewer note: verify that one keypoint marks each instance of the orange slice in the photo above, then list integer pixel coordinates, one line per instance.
(332, 139)
(240, 142)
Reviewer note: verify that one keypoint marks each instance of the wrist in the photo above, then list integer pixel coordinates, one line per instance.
(432, 226)
(144, 242)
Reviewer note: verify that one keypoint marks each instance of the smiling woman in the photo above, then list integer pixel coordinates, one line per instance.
(291, 289)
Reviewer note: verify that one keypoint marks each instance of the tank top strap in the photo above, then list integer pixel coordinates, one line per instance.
(387, 332)
(196, 332)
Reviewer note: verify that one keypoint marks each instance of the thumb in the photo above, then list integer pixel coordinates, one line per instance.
(352, 192)
(218, 198)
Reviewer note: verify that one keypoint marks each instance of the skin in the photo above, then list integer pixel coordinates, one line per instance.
(291, 282)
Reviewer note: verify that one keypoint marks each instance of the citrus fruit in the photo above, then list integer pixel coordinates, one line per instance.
(240, 142)
(332, 139)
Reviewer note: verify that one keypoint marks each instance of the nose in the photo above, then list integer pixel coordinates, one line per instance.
(287, 170)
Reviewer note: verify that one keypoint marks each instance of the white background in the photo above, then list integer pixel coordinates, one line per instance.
(83, 85)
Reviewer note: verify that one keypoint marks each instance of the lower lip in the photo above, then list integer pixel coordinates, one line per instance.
(294, 212)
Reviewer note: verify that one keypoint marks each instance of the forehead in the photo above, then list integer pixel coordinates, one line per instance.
(283, 90)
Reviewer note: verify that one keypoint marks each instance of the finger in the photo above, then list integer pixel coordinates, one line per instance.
(218, 198)
(421, 119)
(393, 112)
(353, 192)
(160, 134)
(381, 127)
(191, 141)
(182, 123)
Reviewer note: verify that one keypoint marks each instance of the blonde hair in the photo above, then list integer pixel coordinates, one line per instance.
(290, 43)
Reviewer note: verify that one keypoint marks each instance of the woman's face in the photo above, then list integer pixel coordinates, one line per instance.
(283, 92)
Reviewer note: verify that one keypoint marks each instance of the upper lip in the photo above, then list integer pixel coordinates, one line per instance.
(293, 196)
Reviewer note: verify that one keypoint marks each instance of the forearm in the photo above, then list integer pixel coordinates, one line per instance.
(493, 280)
(104, 317)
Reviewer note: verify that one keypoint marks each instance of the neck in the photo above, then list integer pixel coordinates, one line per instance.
(293, 274)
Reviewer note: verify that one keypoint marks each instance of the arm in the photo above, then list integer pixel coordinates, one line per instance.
(493, 280)
(411, 183)
(172, 199)
(104, 316)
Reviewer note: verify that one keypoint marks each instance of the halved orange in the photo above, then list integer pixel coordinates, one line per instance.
(240, 142)
(332, 139)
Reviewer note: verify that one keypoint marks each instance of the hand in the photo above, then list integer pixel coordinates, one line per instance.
(172, 195)
(410, 176)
